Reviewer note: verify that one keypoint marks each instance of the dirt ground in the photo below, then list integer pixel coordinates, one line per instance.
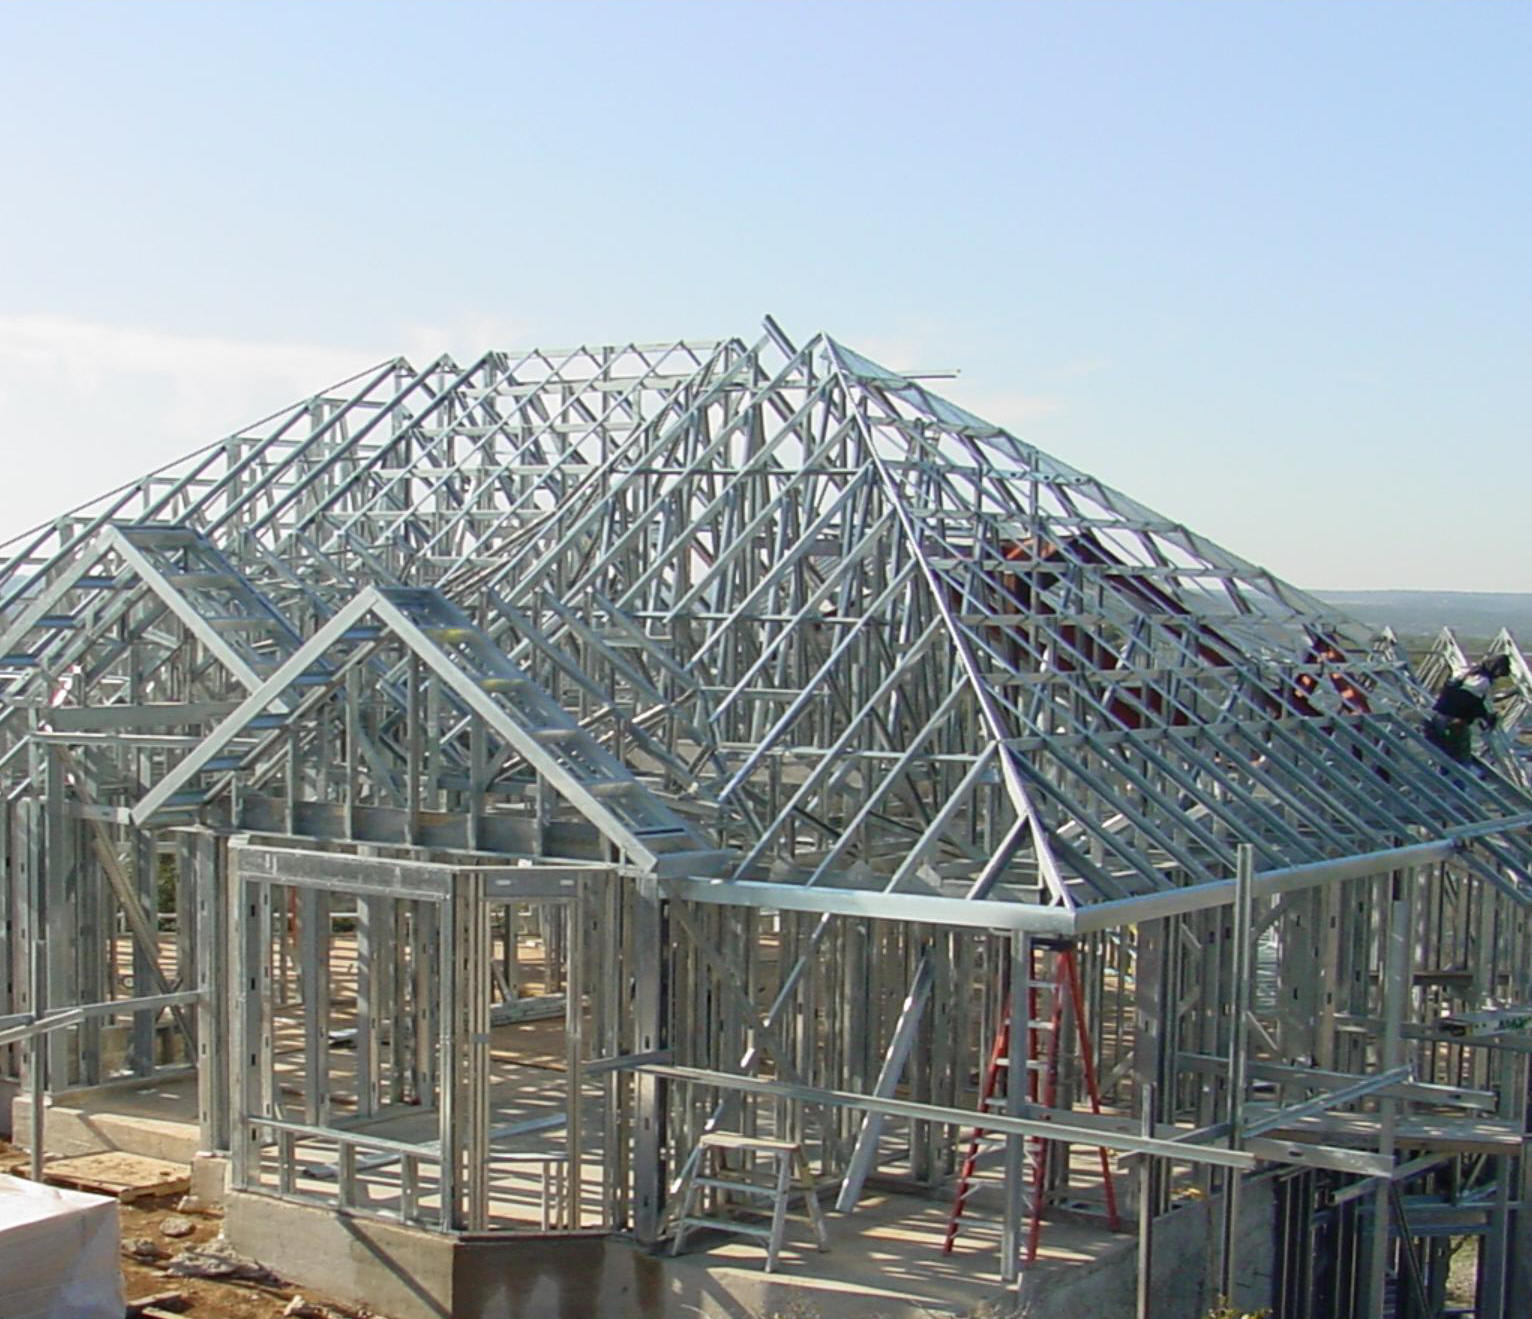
(146, 1220)
(143, 1227)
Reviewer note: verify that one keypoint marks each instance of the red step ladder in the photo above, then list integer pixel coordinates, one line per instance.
(1042, 1088)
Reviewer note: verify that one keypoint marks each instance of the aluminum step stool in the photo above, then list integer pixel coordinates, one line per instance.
(792, 1176)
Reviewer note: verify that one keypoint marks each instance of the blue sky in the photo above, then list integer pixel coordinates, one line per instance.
(1263, 267)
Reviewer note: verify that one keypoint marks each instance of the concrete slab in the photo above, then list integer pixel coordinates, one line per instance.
(157, 1119)
(398, 1271)
(884, 1262)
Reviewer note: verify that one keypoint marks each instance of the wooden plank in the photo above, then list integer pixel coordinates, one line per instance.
(128, 1177)
(148, 1307)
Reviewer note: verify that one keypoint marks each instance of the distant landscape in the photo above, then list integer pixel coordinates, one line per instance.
(1474, 616)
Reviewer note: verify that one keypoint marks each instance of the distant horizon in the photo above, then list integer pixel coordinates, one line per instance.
(1409, 590)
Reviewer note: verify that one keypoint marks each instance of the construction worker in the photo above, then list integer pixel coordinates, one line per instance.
(1463, 702)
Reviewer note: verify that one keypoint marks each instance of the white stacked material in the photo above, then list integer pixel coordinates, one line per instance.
(58, 1253)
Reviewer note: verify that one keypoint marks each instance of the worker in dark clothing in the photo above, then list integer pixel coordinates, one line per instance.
(1463, 702)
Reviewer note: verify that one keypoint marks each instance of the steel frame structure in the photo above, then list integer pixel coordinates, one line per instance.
(794, 704)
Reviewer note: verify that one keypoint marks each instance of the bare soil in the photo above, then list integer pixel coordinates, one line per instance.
(143, 1220)
(206, 1298)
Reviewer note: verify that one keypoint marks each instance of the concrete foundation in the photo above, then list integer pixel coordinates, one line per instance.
(871, 1272)
(1184, 1277)
(148, 1121)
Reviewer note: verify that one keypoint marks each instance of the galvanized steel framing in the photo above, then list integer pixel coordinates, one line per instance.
(800, 711)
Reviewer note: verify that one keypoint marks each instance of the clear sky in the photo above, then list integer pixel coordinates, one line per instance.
(1265, 267)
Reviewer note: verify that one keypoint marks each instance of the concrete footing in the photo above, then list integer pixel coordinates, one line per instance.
(1183, 1278)
(83, 1123)
(410, 1274)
